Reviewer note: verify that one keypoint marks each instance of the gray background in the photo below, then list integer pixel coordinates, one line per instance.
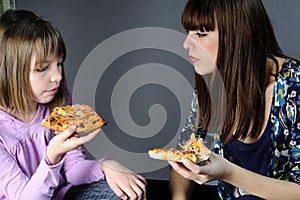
(85, 24)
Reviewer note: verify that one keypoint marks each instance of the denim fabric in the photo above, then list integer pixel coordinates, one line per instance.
(94, 191)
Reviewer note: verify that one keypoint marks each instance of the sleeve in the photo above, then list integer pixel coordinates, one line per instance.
(293, 116)
(16, 185)
(80, 170)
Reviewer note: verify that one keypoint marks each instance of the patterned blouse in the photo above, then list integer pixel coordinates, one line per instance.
(285, 131)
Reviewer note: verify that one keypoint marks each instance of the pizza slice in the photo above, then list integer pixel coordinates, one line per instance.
(173, 154)
(83, 116)
(193, 149)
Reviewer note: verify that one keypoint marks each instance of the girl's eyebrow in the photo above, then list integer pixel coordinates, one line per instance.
(40, 63)
(48, 60)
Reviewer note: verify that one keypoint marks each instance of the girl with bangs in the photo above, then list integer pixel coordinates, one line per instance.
(36, 163)
(246, 97)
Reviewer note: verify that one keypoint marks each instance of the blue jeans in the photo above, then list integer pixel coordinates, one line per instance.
(94, 191)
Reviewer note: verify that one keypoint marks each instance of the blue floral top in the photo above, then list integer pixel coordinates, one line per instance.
(285, 131)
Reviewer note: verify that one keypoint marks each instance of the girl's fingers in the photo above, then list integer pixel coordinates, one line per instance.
(89, 136)
(67, 133)
(120, 193)
(191, 166)
(179, 168)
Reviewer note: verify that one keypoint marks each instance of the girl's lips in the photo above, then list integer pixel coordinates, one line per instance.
(193, 59)
(53, 91)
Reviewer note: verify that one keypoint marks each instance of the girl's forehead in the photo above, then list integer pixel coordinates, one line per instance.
(50, 48)
(43, 53)
(37, 59)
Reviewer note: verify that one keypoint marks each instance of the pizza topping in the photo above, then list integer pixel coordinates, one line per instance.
(192, 145)
(81, 125)
(193, 149)
(63, 112)
(83, 116)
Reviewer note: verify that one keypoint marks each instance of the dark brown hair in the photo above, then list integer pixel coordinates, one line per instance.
(23, 33)
(246, 42)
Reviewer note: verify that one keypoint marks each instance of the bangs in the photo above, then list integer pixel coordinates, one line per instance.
(48, 43)
(198, 15)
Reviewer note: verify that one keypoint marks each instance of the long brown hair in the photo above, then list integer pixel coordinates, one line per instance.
(246, 42)
(23, 33)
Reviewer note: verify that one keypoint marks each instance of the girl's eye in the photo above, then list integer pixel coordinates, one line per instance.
(42, 69)
(201, 34)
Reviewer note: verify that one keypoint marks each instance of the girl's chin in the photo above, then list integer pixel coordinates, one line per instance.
(44, 100)
(203, 70)
(202, 73)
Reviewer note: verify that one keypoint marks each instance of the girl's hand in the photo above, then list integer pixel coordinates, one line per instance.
(125, 183)
(215, 168)
(66, 141)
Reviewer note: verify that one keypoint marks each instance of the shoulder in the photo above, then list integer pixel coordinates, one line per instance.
(290, 71)
(287, 81)
(286, 102)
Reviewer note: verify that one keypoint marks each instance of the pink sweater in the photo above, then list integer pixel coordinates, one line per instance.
(24, 169)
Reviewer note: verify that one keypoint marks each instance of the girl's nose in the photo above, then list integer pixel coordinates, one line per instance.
(187, 43)
(56, 75)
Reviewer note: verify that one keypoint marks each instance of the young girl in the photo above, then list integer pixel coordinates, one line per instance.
(36, 163)
(259, 143)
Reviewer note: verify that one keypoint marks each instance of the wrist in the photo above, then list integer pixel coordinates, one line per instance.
(52, 157)
(104, 162)
(228, 168)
